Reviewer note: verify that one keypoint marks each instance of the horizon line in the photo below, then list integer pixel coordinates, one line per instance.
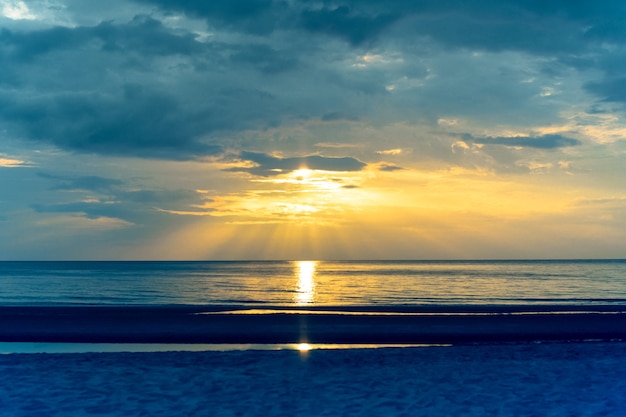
(329, 260)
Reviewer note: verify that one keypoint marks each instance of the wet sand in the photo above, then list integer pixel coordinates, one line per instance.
(215, 324)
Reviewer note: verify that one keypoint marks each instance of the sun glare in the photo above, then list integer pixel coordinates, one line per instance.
(305, 289)
(302, 174)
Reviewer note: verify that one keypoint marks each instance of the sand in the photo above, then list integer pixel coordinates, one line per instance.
(530, 379)
(197, 325)
(505, 361)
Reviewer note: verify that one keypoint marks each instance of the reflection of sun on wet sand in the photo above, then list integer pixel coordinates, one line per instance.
(557, 379)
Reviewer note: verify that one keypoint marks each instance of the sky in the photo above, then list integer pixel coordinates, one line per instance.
(296, 129)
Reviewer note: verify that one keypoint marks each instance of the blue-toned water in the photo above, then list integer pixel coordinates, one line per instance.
(313, 283)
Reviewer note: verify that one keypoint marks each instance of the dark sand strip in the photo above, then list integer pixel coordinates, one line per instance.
(185, 324)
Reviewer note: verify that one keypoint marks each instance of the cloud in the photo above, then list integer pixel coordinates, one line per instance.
(93, 107)
(153, 86)
(86, 183)
(133, 122)
(263, 58)
(10, 162)
(90, 210)
(618, 202)
(390, 152)
(95, 196)
(142, 35)
(336, 145)
(228, 11)
(347, 23)
(266, 165)
(17, 10)
(482, 24)
(611, 89)
(389, 168)
(542, 142)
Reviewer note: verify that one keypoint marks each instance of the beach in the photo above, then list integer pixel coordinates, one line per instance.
(472, 361)
(530, 379)
(367, 325)
(207, 339)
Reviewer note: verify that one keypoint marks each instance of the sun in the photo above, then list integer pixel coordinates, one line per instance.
(302, 174)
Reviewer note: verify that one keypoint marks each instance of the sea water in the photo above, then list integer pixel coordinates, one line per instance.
(313, 283)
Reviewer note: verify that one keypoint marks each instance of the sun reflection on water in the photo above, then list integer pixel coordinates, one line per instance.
(305, 289)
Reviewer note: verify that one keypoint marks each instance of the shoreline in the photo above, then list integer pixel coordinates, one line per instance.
(316, 325)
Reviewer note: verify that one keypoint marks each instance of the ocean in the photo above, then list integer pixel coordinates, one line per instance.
(312, 283)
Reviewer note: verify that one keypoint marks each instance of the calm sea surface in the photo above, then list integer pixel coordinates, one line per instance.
(312, 283)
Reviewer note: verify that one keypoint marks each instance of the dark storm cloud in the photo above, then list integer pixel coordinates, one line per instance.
(517, 24)
(114, 198)
(132, 122)
(82, 109)
(570, 33)
(542, 142)
(136, 89)
(89, 182)
(267, 165)
(231, 10)
(143, 35)
(343, 22)
(90, 210)
(142, 87)
(557, 27)
(26, 45)
(612, 89)
(263, 58)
